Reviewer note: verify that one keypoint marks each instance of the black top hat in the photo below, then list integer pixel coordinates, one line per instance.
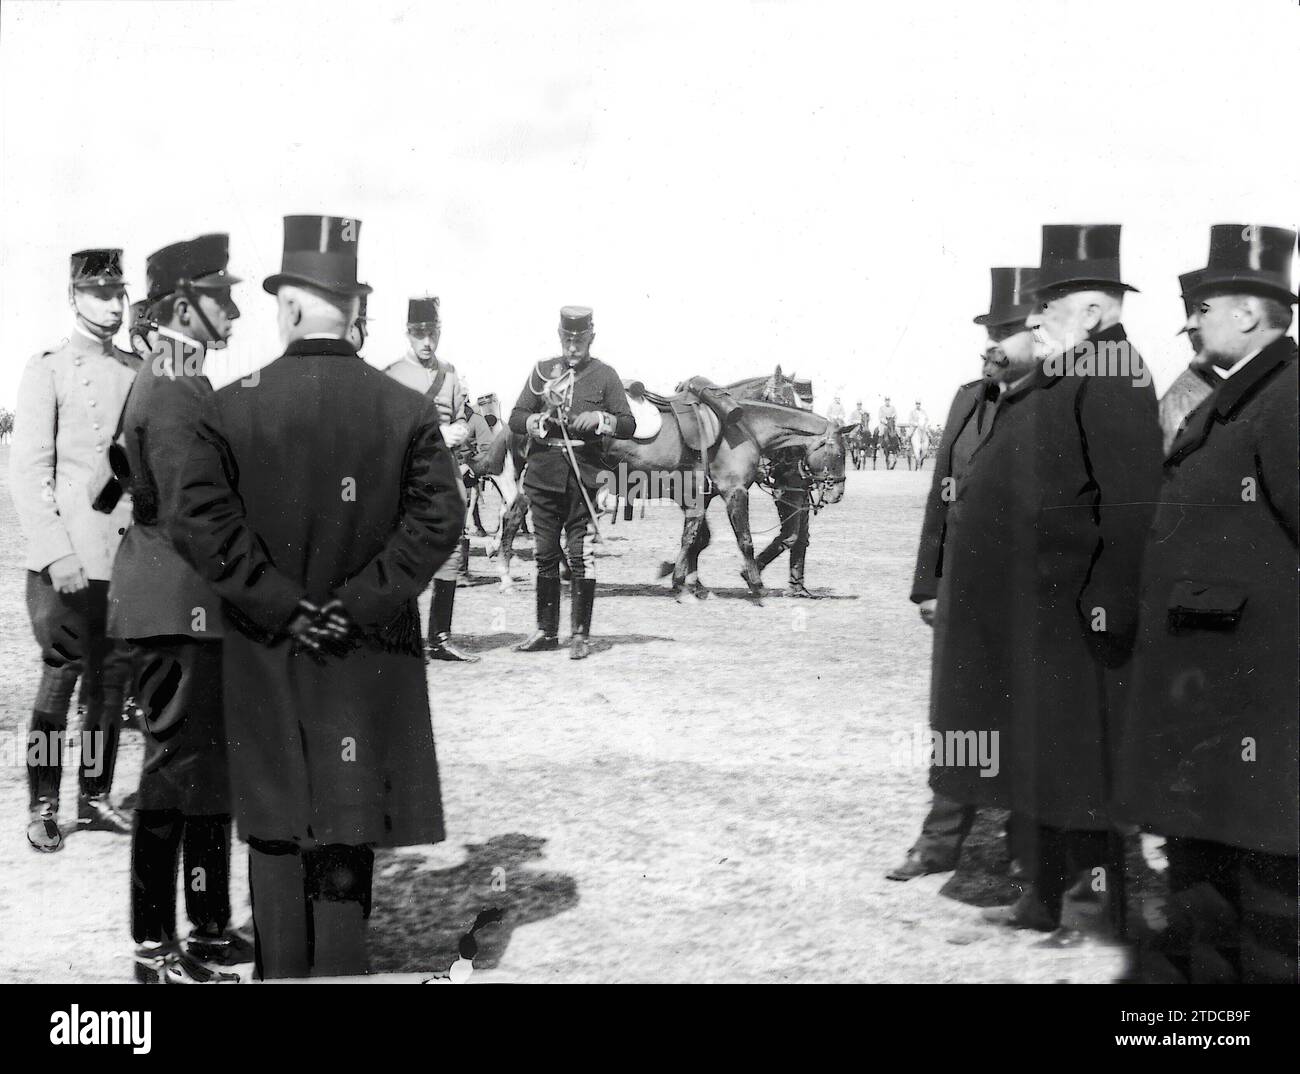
(96, 267)
(198, 264)
(320, 251)
(1011, 299)
(422, 310)
(1080, 256)
(1187, 283)
(575, 318)
(1249, 258)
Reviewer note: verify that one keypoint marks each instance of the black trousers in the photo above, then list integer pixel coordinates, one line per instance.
(1056, 855)
(178, 690)
(793, 509)
(157, 839)
(1231, 917)
(70, 629)
(555, 513)
(309, 908)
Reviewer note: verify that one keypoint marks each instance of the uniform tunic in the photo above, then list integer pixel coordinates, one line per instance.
(68, 402)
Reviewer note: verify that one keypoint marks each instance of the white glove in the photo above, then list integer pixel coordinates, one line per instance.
(455, 434)
(537, 426)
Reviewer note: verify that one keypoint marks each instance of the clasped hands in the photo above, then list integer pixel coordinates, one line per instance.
(589, 421)
(322, 631)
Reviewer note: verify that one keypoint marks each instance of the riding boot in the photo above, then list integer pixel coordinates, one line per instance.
(45, 756)
(440, 646)
(462, 572)
(584, 598)
(797, 588)
(547, 635)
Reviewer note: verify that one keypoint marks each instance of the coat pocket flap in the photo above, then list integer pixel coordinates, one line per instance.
(1205, 605)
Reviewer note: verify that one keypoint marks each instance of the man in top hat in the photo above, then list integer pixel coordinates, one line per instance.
(1041, 574)
(172, 623)
(1009, 354)
(1209, 756)
(68, 400)
(423, 371)
(317, 505)
(1195, 382)
(566, 406)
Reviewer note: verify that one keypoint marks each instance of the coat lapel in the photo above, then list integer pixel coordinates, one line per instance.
(1229, 397)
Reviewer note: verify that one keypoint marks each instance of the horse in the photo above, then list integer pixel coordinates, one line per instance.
(918, 447)
(664, 463)
(891, 444)
(862, 443)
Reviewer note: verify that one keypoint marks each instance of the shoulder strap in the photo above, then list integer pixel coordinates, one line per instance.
(437, 384)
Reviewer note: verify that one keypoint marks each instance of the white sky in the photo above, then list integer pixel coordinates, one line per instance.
(729, 184)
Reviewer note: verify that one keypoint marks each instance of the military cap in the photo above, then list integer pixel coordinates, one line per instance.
(321, 252)
(1249, 258)
(422, 310)
(198, 264)
(1080, 256)
(1012, 296)
(96, 267)
(575, 318)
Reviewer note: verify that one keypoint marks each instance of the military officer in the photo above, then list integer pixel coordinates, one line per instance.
(918, 419)
(835, 412)
(567, 405)
(1209, 756)
(172, 622)
(68, 401)
(421, 370)
(1195, 382)
(794, 510)
(330, 747)
(1008, 355)
(887, 413)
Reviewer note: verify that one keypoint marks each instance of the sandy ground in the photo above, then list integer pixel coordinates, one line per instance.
(715, 796)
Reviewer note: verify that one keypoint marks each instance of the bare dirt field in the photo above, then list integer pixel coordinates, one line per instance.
(714, 796)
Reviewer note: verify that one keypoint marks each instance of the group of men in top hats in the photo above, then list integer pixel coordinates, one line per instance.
(1118, 621)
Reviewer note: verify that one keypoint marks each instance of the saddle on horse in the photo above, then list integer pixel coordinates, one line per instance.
(703, 409)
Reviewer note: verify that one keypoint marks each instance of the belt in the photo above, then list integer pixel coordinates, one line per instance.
(578, 445)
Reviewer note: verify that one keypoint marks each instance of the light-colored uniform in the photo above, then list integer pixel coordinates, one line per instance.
(918, 417)
(68, 405)
(886, 412)
(450, 400)
(835, 413)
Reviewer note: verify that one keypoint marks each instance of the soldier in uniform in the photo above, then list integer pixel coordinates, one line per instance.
(68, 400)
(918, 418)
(421, 370)
(835, 412)
(317, 504)
(887, 413)
(1209, 755)
(172, 622)
(593, 405)
(1008, 356)
(794, 510)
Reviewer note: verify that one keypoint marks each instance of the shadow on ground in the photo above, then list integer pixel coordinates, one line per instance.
(420, 914)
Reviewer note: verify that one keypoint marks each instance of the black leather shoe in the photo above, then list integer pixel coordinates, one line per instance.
(167, 965)
(43, 830)
(441, 648)
(98, 814)
(224, 948)
(539, 642)
(798, 589)
(915, 865)
(1026, 913)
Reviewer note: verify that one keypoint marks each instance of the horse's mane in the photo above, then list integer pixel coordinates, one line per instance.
(793, 424)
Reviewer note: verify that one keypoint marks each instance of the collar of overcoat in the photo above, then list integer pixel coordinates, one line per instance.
(320, 345)
(1228, 398)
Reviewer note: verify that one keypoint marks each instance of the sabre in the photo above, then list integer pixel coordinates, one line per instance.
(557, 394)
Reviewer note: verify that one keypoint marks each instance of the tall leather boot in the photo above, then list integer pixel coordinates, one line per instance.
(100, 731)
(45, 757)
(439, 646)
(547, 635)
(797, 588)
(462, 571)
(584, 598)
